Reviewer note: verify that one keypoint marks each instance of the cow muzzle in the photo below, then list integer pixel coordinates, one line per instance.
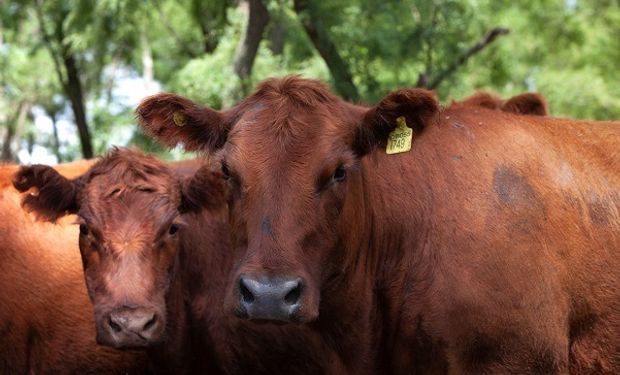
(270, 299)
(131, 328)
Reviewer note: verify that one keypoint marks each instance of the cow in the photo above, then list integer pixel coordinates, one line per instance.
(528, 103)
(46, 323)
(427, 239)
(154, 244)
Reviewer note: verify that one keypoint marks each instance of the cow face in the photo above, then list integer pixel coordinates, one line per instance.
(129, 214)
(291, 157)
(129, 242)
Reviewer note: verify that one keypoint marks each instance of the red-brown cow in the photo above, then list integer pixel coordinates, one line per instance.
(528, 103)
(489, 247)
(46, 321)
(149, 268)
(128, 207)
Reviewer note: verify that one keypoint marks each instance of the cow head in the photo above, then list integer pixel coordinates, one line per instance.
(291, 157)
(129, 210)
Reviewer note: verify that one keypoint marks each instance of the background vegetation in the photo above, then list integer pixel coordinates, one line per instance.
(73, 70)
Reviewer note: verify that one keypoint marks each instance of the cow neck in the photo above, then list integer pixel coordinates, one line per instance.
(389, 215)
(188, 347)
(206, 265)
(379, 238)
(166, 358)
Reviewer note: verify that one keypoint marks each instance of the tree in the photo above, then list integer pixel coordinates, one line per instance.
(258, 17)
(211, 19)
(208, 49)
(22, 82)
(66, 66)
(317, 32)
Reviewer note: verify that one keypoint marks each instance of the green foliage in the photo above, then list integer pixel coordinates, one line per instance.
(566, 49)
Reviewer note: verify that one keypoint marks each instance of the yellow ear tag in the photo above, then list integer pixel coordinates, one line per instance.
(179, 118)
(399, 139)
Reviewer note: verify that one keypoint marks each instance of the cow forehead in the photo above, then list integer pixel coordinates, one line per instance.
(142, 212)
(295, 137)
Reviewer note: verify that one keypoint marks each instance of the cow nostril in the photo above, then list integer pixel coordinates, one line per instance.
(246, 295)
(115, 326)
(292, 297)
(150, 323)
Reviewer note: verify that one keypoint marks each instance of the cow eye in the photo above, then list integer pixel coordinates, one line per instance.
(339, 174)
(83, 230)
(174, 228)
(225, 171)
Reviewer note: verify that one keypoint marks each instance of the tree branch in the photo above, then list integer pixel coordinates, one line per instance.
(13, 131)
(317, 33)
(461, 60)
(183, 46)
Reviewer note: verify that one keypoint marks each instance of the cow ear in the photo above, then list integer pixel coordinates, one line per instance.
(172, 119)
(419, 107)
(203, 190)
(55, 197)
(482, 99)
(527, 104)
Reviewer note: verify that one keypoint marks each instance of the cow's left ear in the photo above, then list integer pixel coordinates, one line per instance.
(56, 196)
(203, 190)
(419, 107)
(528, 103)
(172, 119)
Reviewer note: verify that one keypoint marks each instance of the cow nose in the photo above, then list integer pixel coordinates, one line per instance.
(140, 322)
(270, 298)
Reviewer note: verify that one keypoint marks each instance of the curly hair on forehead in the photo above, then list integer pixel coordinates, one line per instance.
(128, 165)
(296, 90)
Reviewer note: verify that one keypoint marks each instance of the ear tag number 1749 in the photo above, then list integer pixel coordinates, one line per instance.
(399, 139)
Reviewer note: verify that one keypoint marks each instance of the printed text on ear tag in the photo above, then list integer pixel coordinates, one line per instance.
(399, 139)
(178, 118)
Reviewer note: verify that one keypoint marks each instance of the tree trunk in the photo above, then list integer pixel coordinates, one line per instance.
(7, 153)
(311, 21)
(276, 36)
(56, 139)
(258, 17)
(13, 132)
(73, 89)
(211, 18)
(71, 84)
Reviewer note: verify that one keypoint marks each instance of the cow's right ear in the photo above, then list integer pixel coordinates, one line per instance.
(529, 103)
(172, 119)
(55, 197)
(417, 106)
(482, 99)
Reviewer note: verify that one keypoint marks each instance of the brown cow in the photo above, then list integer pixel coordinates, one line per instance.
(528, 103)
(46, 321)
(126, 203)
(489, 247)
